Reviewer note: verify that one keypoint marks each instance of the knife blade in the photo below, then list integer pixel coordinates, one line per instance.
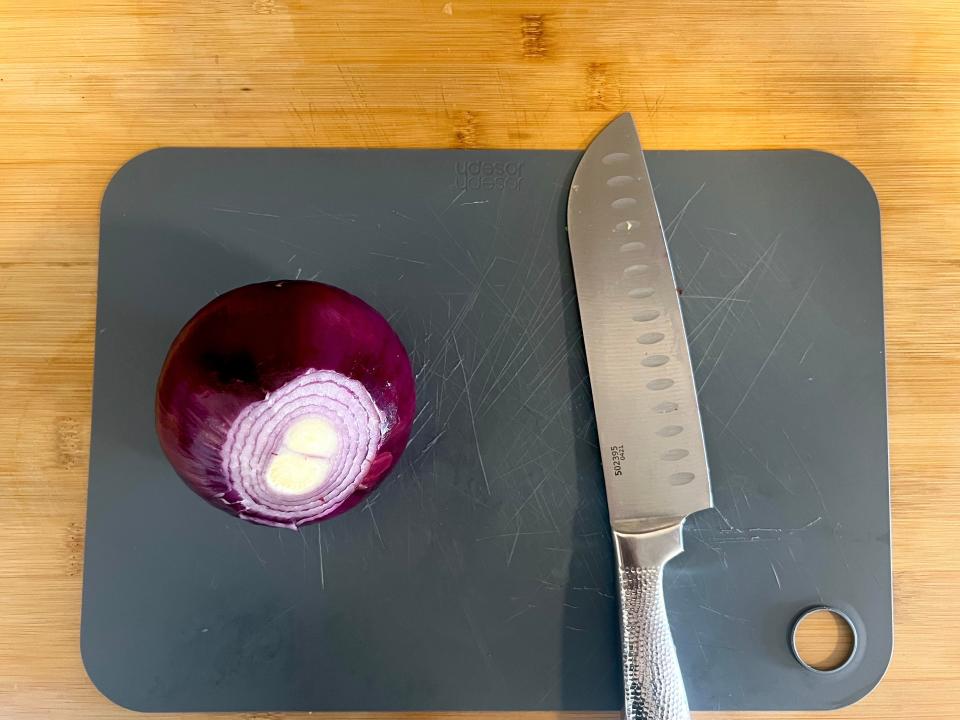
(648, 420)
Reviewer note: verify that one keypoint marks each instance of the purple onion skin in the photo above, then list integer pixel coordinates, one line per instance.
(252, 341)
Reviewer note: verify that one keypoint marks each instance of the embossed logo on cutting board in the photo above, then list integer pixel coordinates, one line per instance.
(488, 175)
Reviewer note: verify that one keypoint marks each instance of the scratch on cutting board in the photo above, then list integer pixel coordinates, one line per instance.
(729, 300)
(729, 335)
(806, 470)
(549, 367)
(837, 532)
(513, 548)
(429, 446)
(425, 405)
(323, 584)
(761, 260)
(724, 615)
(693, 278)
(232, 211)
(678, 218)
(510, 534)
(517, 614)
(688, 296)
(282, 613)
(252, 546)
(396, 257)
(755, 532)
(509, 322)
(478, 639)
(334, 216)
(703, 652)
(720, 230)
(529, 461)
(529, 497)
(760, 534)
(761, 463)
(452, 202)
(598, 591)
(773, 350)
(303, 539)
(473, 418)
(369, 508)
(420, 429)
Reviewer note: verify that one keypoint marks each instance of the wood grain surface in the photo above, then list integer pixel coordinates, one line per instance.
(84, 86)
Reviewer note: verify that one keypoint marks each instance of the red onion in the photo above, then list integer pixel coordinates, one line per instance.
(285, 402)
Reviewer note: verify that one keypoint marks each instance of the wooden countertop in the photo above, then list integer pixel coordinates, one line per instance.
(84, 86)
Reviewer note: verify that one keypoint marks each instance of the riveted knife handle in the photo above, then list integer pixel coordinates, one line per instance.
(652, 683)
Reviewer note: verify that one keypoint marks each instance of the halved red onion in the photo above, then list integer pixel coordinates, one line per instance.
(285, 402)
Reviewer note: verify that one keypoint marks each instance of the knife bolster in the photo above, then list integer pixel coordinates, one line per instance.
(652, 548)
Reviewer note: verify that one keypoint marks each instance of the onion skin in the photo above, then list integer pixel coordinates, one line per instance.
(257, 347)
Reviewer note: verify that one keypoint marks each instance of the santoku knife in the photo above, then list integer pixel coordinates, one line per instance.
(648, 421)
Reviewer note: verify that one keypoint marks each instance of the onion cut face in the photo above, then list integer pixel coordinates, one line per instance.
(285, 403)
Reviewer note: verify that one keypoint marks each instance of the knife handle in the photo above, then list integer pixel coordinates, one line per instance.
(652, 683)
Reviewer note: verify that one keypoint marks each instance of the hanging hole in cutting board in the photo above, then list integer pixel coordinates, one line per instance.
(823, 639)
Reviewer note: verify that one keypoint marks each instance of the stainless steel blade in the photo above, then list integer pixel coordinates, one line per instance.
(648, 419)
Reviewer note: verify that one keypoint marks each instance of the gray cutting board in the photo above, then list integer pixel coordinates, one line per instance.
(479, 576)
